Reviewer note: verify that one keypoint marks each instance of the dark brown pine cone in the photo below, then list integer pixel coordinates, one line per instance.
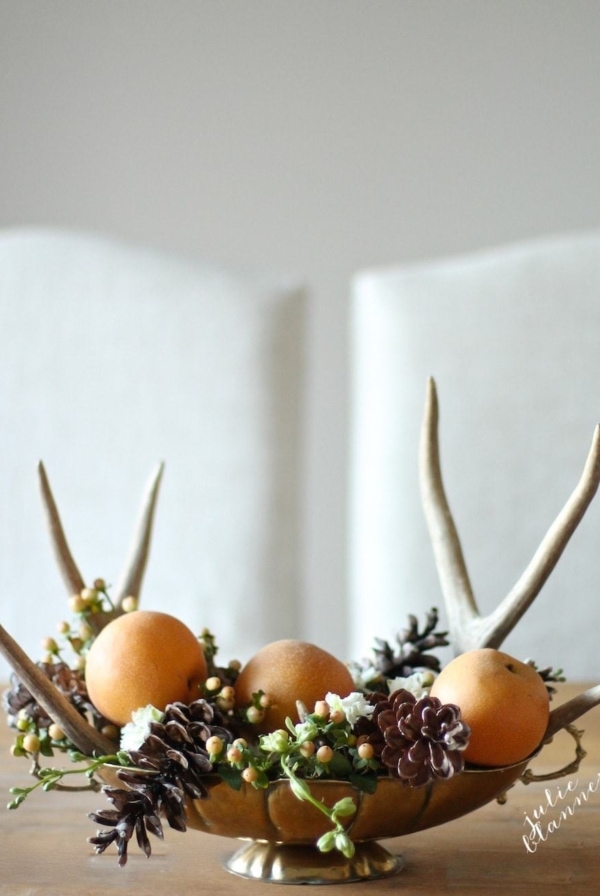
(176, 747)
(134, 811)
(171, 764)
(423, 739)
(411, 651)
(69, 682)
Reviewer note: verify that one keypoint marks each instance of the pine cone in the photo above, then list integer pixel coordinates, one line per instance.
(423, 739)
(134, 811)
(411, 651)
(172, 763)
(70, 682)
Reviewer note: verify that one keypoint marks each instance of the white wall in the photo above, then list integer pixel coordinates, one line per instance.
(308, 136)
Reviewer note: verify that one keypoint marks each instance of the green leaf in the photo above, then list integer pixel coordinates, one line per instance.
(300, 789)
(76, 756)
(232, 776)
(366, 783)
(340, 766)
(262, 781)
(46, 747)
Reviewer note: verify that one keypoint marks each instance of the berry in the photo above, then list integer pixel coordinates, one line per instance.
(324, 754)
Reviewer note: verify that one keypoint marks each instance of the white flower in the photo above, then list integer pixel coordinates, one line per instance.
(418, 683)
(134, 733)
(361, 676)
(353, 706)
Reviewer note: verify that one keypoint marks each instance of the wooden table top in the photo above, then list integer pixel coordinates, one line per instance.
(44, 849)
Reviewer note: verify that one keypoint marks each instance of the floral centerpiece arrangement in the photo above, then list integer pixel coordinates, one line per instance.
(144, 711)
(388, 725)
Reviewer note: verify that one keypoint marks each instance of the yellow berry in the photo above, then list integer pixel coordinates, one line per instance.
(129, 604)
(250, 775)
(366, 751)
(86, 631)
(77, 604)
(49, 645)
(225, 705)
(213, 683)
(254, 715)
(324, 754)
(56, 732)
(234, 754)
(31, 743)
(322, 709)
(214, 745)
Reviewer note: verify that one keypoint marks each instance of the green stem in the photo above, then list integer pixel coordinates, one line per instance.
(49, 778)
(335, 839)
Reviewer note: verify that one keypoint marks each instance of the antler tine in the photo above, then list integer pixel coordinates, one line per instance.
(131, 580)
(468, 629)
(68, 568)
(503, 619)
(81, 733)
(452, 570)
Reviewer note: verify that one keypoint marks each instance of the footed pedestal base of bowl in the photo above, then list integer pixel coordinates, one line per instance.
(284, 863)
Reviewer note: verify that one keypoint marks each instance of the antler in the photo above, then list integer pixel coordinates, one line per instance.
(81, 733)
(131, 580)
(468, 628)
(67, 566)
(569, 712)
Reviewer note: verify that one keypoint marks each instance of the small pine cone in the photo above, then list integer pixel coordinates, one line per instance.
(412, 649)
(424, 739)
(71, 684)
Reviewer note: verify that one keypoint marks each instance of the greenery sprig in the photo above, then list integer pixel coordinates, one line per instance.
(49, 778)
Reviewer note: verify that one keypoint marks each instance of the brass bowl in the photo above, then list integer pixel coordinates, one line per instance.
(283, 830)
